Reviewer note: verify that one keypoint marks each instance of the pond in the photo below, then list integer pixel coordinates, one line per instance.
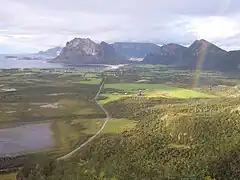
(25, 138)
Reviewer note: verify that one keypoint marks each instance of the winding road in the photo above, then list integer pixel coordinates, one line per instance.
(97, 133)
(85, 143)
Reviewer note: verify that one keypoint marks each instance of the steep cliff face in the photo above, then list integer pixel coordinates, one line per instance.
(167, 54)
(85, 51)
(134, 50)
(109, 55)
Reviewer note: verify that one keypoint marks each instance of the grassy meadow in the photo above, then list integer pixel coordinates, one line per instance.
(149, 90)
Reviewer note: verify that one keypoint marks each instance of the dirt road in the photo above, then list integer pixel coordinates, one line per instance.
(97, 133)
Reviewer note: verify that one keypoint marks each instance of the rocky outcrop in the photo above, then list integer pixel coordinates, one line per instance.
(85, 51)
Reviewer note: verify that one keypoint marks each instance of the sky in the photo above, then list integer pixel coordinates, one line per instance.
(34, 25)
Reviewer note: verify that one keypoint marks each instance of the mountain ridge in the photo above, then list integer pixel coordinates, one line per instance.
(52, 52)
(201, 52)
(134, 49)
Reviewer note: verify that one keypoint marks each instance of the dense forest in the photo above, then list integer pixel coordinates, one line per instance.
(172, 139)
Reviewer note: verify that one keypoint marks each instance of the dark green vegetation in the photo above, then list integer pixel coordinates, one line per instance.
(160, 137)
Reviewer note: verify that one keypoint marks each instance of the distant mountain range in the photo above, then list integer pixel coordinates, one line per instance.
(200, 54)
(166, 54)
(42, 55)
(134, 50)
(53, 52)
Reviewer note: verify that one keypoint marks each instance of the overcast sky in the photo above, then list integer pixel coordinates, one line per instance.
(33, 25)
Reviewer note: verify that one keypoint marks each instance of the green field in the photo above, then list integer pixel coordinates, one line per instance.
(118, 125)
(149, 90)
(111, 97)
(54, 97)
(91, 81)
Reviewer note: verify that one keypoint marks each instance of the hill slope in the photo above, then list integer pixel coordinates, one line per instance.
(200, 54)
(170, 141)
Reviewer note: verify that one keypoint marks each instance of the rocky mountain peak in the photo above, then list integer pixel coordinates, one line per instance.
(203, 41)
(82, 46)
(86, 51)
(104, 43)
(172, 47)
(199, 43)
(203, 45)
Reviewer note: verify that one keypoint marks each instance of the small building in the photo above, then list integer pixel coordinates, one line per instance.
(140, 92)
(18, 177)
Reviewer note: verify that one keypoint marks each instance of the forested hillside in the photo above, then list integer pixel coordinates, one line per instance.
(168, 138)
(170, 141)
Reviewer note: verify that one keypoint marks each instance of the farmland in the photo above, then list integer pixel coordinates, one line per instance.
(52, 97)
(149, 90)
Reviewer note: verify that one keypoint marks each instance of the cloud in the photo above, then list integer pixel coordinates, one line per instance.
(230, 43)
(30, 25)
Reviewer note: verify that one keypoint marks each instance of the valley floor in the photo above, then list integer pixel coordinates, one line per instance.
(166, 123)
